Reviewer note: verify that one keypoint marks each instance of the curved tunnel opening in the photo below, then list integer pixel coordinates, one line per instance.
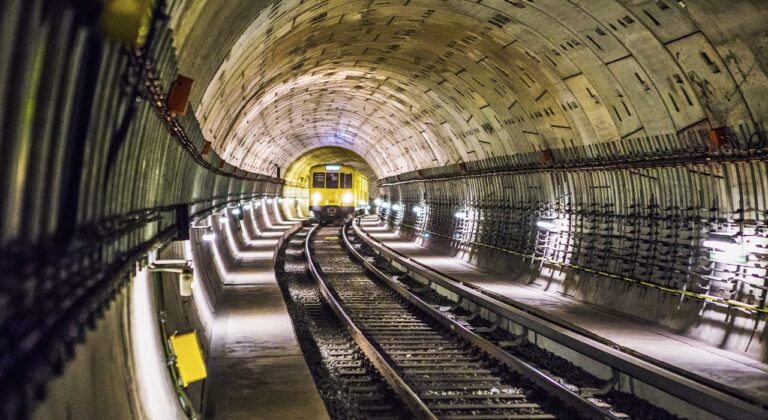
(608, 154)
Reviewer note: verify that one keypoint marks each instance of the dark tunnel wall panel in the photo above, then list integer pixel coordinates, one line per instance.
(96, 174)
(106, 353)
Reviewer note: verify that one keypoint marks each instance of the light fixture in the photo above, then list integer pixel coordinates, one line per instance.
(236, 211)
(347, 198)
(247, 205)
(385, 205)
(461, 214)
(419, 210)
(280, 200)
(722, 242)
(548, 225)
(270, 200)
(725, 249)
(257, 204)
(396, 207)
(363, 204)
(377, 202)
(208, 235)
(332, 168)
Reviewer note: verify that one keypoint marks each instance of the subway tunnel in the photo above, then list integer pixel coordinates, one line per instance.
(571, 192)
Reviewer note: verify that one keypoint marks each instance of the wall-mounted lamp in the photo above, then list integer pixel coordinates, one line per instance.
(419, 210)
(724, 248)
(185, 284)
(208, 235)
(549, 225)
(396, 207)
(461, 214)
(377, 202)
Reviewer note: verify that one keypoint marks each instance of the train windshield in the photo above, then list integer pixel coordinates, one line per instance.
(318, 180)
(331, 180)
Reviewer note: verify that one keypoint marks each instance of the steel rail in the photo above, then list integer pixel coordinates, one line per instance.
(693, 391)
(415, 405)
(585, 408)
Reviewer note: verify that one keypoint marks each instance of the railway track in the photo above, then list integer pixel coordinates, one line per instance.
(349, 385)
(436, 363)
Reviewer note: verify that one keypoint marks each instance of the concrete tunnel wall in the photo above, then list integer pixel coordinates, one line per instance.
(636, 253)
(508, 110)
(423, 84)
(125, 342)
(98, 175)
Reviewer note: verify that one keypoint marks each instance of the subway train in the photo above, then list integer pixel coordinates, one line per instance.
(336, 191)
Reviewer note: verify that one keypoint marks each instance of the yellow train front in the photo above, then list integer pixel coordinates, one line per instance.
(336, 191)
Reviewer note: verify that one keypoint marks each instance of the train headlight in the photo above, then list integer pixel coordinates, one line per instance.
(347, 198)
(316, 197)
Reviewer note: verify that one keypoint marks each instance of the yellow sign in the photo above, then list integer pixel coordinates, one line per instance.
(189, 358)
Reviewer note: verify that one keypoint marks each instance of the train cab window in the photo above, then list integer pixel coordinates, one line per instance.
(318, 180)
(332, 180)
(346, 180)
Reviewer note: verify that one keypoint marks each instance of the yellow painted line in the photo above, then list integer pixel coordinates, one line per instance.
(331, 238)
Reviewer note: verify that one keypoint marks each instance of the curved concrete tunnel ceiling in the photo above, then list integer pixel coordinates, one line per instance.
(417, 84)
(299, 168)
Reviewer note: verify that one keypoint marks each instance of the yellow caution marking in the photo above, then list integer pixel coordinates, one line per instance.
(331, 238)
